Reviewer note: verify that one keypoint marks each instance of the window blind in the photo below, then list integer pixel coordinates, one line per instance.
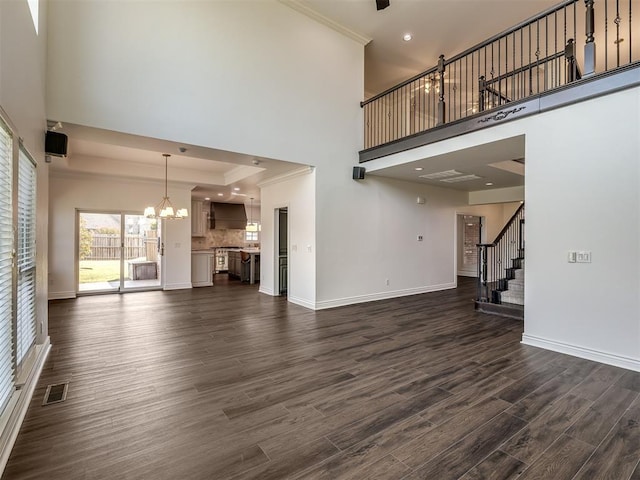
(6, 261)
(26, 256)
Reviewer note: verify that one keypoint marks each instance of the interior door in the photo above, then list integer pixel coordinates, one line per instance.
(469, 235)
(117, 252)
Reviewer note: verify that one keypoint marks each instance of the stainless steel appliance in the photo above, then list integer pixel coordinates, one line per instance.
(222, 259)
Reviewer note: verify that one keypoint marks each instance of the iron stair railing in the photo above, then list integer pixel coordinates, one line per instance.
(498, 260)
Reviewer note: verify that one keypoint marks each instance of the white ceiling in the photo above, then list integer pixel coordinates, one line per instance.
(493, 162)
(217, 174)
(437, 26)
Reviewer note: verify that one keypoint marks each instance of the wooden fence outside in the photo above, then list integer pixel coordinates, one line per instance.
(106, 246)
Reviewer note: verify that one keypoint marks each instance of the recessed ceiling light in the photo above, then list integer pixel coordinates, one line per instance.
(407, 37)
(221, 194)
(488, 184)
(236, 189)
(207, 198)
(419, 169)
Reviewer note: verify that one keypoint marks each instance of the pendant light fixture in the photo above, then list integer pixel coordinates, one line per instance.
(165, 210)
(251, 227)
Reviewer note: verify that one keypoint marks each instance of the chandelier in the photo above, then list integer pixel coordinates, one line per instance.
(165, 208)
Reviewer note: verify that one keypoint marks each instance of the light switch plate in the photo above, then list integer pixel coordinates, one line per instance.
(583, 257)
(571, 258)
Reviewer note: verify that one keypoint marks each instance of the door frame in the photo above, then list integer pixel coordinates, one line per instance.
(276, 249)
(120, 289)
(456, 238)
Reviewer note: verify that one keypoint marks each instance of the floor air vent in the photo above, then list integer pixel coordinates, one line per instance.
(56, 393)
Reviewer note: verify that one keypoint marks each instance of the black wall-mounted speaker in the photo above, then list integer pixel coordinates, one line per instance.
(55, 143)
(382, 4)
(358, 173)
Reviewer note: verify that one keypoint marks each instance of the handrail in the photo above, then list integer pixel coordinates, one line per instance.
(523, 24)
(480, 45)
(498, 260)
(431, 71)
(538, 55)
(504, 229)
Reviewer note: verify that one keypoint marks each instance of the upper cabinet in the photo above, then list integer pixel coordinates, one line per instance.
(199, 225)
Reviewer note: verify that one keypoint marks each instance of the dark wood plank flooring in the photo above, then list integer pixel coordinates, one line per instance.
(226, 383)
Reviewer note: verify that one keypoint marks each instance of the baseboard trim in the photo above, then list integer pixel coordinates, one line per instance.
(178, 286)
(582, 352)
(302, 302)
(373, 297)
(61, 295)
(17, 409)
(266, 291)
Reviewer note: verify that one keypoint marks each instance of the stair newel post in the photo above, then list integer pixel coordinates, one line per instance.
(441, 103)
(590, 45)
(482, 88)
(485, 268)
(570, 57)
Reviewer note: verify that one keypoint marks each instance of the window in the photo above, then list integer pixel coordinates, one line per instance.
(250, 236)
(26, 306)
(17, 260)
(6, 263)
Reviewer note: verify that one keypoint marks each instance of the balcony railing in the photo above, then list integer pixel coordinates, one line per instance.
(536, 56)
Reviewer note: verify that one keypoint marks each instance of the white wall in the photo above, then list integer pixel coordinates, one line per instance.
(71, 193)
(298, 194)
(260, 78)
(253, 77)
(372, 238)
(22, 97)
(582, 193)
(246, 76)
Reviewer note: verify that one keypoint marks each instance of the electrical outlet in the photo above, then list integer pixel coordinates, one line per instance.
(420, 238)
(386, 282)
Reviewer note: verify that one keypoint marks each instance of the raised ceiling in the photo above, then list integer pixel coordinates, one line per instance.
(436, 26)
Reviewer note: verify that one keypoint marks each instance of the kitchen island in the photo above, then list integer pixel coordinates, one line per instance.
(244, 263)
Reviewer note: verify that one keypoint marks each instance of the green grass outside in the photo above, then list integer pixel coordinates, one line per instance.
(94, 271)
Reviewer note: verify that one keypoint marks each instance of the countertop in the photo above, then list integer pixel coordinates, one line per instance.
(211, 251)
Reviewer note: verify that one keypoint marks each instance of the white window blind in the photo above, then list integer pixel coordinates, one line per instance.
(6, 261)
(26, 301)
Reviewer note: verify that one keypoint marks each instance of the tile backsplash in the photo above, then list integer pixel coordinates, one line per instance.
(219, 238)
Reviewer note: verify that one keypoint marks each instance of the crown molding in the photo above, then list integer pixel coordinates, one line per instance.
(318, 17)
(286, 176)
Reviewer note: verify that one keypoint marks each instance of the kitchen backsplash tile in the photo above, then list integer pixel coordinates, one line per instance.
(218, 238)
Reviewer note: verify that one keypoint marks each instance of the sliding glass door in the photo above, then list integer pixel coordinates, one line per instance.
(117, 252)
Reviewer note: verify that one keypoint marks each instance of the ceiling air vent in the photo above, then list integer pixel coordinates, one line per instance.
(439, 175)
(464, 178)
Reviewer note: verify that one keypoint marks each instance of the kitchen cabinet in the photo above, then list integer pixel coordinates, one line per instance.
(235, 264)
(199, 224)
(201, 269)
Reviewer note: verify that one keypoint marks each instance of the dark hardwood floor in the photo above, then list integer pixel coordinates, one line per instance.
(226, 383)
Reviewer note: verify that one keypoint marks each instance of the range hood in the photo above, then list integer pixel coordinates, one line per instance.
(228, 216)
